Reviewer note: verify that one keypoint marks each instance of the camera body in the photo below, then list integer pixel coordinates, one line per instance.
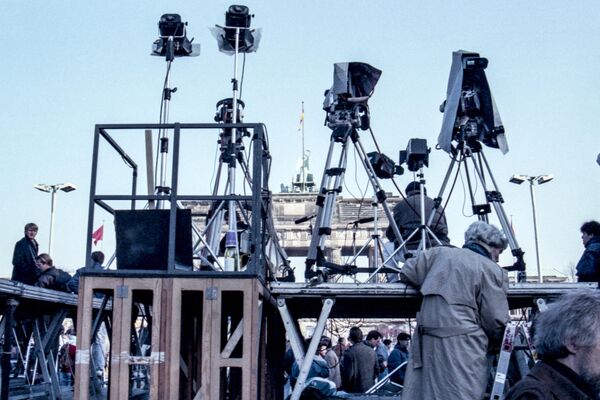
(416, 154)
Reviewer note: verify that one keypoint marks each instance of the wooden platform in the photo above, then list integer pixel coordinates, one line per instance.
(391, 300)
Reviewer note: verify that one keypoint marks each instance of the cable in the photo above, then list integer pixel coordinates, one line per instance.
(160, 119)
(242, 77)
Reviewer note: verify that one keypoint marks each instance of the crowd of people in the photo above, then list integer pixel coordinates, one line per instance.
(353, 366)
(462, 318)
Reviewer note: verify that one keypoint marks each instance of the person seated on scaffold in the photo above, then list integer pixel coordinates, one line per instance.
(407, 214)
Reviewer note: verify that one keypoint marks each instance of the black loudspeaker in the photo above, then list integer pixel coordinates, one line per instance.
(143, 239)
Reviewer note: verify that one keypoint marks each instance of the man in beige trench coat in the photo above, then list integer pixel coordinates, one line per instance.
(464, 308)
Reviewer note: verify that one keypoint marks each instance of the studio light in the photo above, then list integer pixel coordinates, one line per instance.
(237, 36)
(172, 41)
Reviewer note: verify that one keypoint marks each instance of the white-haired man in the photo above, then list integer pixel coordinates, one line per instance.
(464, 308)
(567, 341)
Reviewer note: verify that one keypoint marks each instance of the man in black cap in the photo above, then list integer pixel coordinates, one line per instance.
(398, 356)
(407, 214)
(24, 256)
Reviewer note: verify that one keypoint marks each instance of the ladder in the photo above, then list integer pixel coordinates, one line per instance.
(516, 339)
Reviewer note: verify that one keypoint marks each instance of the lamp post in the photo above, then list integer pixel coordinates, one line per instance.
(539, 179)
(52, 189)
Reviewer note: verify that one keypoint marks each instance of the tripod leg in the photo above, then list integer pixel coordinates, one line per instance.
(325, 203)
(495, 198)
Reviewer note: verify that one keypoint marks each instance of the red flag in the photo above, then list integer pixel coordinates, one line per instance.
(98, 234)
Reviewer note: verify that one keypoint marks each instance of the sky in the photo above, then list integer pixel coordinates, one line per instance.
(70, 65)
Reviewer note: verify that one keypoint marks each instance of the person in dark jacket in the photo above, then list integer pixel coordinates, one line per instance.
(588, 267)
(97, 261)
(359, 365)
(50, 276)
(26, 251)
(407, 214)
(398, 356)
(567, 341)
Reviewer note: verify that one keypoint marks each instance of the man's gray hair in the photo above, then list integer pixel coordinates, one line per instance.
(574, 319)
(480, 231)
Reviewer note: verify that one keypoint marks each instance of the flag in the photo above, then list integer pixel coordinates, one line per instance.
(98, 234)
(301, 118)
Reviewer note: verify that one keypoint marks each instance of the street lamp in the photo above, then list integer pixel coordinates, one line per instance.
(52, 189)
(539, 179)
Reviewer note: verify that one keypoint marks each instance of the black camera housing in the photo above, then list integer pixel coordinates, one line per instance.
(416, 154)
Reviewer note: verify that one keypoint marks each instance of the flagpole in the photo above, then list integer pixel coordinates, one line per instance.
(302, 158)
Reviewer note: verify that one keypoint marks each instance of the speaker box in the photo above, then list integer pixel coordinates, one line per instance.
(143, 239)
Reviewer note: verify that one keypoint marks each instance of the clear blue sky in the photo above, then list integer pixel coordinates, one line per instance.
(69, 65)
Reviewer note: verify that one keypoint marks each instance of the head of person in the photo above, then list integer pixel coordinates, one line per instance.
(355, 335)
(403, 339)
(323, 347)
(98, 257)
(589, 230)
(414, 188)
(487, 236)
(327, 341)
(569, 332)
(31, 230)
(387, 343)
(373, 338)
(43, 261)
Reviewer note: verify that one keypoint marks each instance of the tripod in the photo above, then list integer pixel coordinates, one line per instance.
(472, 150)
(236, 212)
(423, 231)
(331, 186)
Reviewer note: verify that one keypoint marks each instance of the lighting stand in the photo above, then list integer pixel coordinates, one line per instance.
(231, 153)
(331, 186)
(163, 133)
(473, 151)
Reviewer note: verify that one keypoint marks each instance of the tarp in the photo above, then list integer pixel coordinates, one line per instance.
(470, 78)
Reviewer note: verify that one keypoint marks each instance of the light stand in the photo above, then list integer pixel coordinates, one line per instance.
(52, 189)
(172, 42)
(234, 38)
(540, 179)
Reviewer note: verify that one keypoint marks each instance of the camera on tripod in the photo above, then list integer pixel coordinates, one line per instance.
(470, 113)
(346, 101)
(416, 155)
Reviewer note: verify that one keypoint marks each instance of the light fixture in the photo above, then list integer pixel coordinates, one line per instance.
(52, 189)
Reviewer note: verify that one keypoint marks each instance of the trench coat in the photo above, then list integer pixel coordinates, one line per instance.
(464, 307)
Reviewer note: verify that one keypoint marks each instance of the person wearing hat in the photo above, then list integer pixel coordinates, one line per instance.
(463, 313)
(398, 356)
(407, 214)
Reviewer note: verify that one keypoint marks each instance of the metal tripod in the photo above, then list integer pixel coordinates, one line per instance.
(472, 150)
(426, 233)
(331, 186)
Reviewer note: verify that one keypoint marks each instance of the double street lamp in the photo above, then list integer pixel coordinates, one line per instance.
(538, 179)
(52, 189)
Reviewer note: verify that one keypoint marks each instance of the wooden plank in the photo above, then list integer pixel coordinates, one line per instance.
(84, 324)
